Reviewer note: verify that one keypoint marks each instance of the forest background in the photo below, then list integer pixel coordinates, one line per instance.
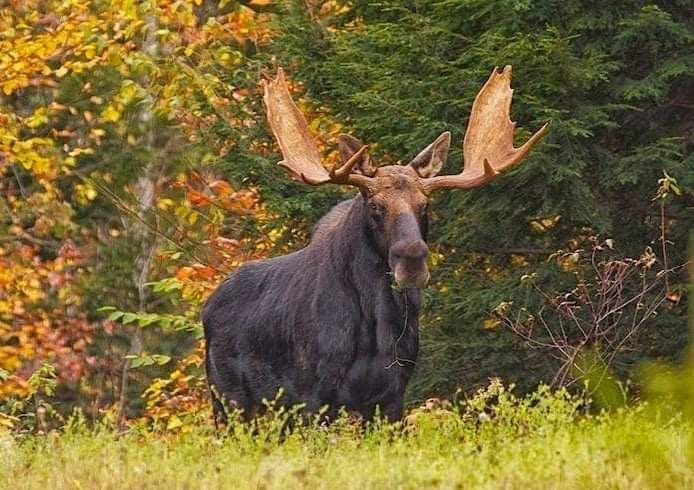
(137, 171)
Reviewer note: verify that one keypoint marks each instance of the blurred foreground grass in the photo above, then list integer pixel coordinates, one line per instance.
(495, 440)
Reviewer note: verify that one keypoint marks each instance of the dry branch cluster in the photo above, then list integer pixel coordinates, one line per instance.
(588, 327)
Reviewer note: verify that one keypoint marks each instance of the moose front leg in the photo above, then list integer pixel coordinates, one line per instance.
(392, 408)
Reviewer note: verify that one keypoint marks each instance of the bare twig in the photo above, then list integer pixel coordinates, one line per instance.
(601, 315)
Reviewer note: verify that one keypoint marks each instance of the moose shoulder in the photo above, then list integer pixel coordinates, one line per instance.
(336, 323)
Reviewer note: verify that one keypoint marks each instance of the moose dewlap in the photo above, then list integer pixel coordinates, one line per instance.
(336, 323)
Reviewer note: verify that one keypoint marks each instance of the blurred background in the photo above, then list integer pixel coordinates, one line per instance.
(137, 171)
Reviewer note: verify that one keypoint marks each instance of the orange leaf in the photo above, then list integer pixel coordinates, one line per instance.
(204, 271)
(221, 187)
(184, 273)
(198, 198)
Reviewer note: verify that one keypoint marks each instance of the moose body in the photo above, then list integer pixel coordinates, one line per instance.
(336, 323)
(324, 323)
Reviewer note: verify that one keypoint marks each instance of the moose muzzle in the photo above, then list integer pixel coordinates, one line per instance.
(408, 262)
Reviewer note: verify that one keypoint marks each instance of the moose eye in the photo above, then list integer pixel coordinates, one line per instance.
(375, 210)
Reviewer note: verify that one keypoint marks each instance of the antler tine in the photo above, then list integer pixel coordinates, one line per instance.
(339, 172)
(488, 148)
(301, 157)
(342, 174)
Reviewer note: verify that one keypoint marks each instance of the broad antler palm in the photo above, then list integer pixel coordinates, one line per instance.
(298, 147)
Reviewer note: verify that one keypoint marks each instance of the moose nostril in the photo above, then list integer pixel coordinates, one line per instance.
(410, 250)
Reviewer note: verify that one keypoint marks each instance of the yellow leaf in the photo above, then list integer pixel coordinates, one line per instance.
(81, 151)
(491, 323)
(38, 118)
(111, 114)
(8, 87)
(165, 203)
(174, 423)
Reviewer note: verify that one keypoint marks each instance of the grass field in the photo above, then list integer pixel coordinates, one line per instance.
(492, 441)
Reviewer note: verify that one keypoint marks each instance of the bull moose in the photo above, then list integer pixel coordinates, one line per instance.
(336, 324)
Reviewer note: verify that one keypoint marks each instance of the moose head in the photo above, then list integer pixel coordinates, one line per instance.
(395, 196)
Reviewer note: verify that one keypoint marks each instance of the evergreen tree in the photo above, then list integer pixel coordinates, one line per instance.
(616, 82)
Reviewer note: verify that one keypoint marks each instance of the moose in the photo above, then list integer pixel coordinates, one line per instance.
(336, 324)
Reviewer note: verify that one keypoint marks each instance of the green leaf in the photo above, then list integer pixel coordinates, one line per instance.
(160, 359)
(115, 315)
(144, 360)
(129, 318)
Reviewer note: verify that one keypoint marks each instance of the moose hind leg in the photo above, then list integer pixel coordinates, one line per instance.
(226, 399)
(226, 389)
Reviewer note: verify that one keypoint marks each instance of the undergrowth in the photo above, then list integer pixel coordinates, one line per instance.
(548, 439)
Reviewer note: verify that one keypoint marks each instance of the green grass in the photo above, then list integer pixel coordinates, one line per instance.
(493, 441)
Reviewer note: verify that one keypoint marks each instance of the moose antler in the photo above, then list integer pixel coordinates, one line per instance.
(301, 157)
(488, 147)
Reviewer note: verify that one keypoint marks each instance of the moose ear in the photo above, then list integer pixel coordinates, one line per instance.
(348, 146)
(430, 160)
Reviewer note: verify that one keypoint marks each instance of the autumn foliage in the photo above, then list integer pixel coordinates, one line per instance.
(106, 147)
